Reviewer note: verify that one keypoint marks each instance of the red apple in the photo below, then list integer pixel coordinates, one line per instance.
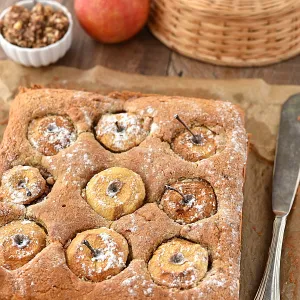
(112, 21)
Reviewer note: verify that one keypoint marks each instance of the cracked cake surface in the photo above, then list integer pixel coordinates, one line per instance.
(173, 195)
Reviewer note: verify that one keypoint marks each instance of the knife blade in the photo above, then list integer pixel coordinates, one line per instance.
(287, 162)
(285, 183)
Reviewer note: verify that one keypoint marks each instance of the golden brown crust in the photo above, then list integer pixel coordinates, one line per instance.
(65, 212)
(10, 211)
(149, 218)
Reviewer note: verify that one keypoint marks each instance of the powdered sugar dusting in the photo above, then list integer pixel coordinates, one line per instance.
(130, 130)
(22, 184)
(178, 264)
(51, 134)
(22, 238)
(108, 254)
(154, 128)
(74, 175)
(87, 117)
(122, 131)
(21, 241)
(138, 282)
(200, 201)
(109, 259)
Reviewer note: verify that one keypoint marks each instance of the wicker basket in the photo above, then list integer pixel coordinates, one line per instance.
(229, 32)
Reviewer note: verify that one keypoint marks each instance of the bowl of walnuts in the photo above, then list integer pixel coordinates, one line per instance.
(36, 33)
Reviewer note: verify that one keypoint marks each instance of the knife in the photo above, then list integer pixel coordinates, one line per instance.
(285, 183)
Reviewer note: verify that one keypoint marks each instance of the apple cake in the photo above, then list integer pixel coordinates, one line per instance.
(124, 196)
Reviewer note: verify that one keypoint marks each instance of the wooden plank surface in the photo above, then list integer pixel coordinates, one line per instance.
(146, 55)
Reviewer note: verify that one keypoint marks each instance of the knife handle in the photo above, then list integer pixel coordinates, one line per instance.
(269, 288)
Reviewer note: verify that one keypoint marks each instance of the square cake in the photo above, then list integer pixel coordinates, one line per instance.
(124, 196)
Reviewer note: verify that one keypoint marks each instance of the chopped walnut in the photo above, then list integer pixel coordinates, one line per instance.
(40, 27)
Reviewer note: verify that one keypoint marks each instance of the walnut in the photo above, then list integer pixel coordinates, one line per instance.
(40, 27)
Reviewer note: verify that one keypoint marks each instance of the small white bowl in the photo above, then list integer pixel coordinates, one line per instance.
(37, 57)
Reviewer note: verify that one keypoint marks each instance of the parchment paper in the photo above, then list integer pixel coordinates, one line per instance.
(262, 104)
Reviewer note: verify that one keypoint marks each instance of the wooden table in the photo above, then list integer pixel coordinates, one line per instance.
(144, 54)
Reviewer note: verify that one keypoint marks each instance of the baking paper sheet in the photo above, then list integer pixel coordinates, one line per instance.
(262, 104)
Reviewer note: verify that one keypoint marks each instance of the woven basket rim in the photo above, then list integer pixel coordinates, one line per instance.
(228, 62)
(206, 7)
(243, 41)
